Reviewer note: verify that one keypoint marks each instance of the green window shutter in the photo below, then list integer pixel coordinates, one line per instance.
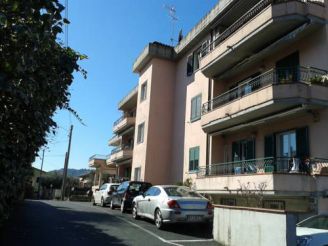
(196, 158)
(270, 146)
(193, 158)
(196, 105)
(302, 142)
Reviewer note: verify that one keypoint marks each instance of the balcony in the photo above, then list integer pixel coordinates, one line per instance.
(97, 161)
(272, 175)
(115, 140)
(268, 22)
(130, 100)
(274, 94)
(120, 155)
(123, 123)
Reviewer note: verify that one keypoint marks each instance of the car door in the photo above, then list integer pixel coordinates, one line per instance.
(143, 202)
(153, 200)
(148, 197)
(98, 194)
(120, 193)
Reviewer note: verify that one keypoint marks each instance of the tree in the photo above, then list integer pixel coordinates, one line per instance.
(36, 71)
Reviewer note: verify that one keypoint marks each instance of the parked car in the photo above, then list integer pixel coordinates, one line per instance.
(313, 231)
(125, 193)
(171, 204)
(103, 195)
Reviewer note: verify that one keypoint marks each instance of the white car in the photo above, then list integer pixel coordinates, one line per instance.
(313, 231)
(171, 204)
(103, 195)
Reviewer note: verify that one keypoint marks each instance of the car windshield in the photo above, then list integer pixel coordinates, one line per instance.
(181, 192)
(317, 222)
(139, 187)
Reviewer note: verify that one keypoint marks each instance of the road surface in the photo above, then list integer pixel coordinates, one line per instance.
(57, 223)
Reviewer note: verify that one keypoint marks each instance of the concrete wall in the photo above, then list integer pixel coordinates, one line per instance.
(235, 226)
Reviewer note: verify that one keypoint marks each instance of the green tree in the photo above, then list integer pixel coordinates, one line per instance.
(36, 71)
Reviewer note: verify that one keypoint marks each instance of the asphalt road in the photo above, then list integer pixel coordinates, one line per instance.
(57, 223)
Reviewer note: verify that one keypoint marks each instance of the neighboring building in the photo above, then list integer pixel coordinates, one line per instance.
(123, 139)
(235, 101)
(87, 180)
(103, 172)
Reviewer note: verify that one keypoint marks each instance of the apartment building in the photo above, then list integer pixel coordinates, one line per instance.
(239, 106)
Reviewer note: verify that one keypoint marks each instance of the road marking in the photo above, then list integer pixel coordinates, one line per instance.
(191, 240)
(150, 232)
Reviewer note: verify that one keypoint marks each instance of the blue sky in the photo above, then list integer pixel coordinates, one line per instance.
(112, 33)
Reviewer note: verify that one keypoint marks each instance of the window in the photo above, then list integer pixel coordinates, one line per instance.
(140, 136)
(153, 191)
(181, 192)
(287, 144)
(137, 173)
(196, 105)
(274, 204)
(193, 62)
(143, 94)
(193, 158)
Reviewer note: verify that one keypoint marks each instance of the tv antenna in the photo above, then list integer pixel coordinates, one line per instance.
(172, 13)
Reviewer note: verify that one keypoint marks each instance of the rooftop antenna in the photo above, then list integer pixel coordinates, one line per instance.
(172, 13)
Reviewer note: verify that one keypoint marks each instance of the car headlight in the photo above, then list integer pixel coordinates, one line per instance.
(304, 241)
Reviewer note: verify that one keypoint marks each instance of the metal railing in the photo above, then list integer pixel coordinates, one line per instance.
(249, 15)
(265, 165)
(120, 148)
(273, 76)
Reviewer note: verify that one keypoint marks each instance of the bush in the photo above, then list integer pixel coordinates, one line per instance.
(35, 74)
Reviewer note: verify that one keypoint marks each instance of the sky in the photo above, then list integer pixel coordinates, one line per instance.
(112, 33)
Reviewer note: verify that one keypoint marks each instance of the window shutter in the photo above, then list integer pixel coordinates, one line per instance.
(196, 158)
(191, 159)
(270, 146)
(302, 142)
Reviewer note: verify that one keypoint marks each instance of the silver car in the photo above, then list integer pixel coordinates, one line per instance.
(170, 204)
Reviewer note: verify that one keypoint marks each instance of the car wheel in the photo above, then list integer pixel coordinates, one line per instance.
(93, 201)
(112, 204)
(123, 208)
(102, 203)
(158, 219)
(135, 212)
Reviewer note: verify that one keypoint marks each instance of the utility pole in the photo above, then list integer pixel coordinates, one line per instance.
(39, 185)
(66, 164)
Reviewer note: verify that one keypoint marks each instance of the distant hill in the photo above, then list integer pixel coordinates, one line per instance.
(70, 172)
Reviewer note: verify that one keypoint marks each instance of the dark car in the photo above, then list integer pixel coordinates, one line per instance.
(125, 193)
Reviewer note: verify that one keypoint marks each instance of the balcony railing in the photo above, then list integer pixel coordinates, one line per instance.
(119, 120)
(98, 157)
(265, 165)
(274, 76)
(120, 148)
(258, 8)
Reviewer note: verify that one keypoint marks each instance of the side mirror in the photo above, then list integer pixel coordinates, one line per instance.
(143, 194)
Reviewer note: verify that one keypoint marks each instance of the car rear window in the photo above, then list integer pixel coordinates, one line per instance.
(318, 222)
(139, 187)
(181, 192)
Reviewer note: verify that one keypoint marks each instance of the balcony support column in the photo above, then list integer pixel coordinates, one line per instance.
(100, 177)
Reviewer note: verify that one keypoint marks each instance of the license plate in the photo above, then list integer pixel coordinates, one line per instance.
(194, 217)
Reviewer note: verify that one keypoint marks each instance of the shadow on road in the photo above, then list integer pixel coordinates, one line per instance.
(37, 223)
(200, 230)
